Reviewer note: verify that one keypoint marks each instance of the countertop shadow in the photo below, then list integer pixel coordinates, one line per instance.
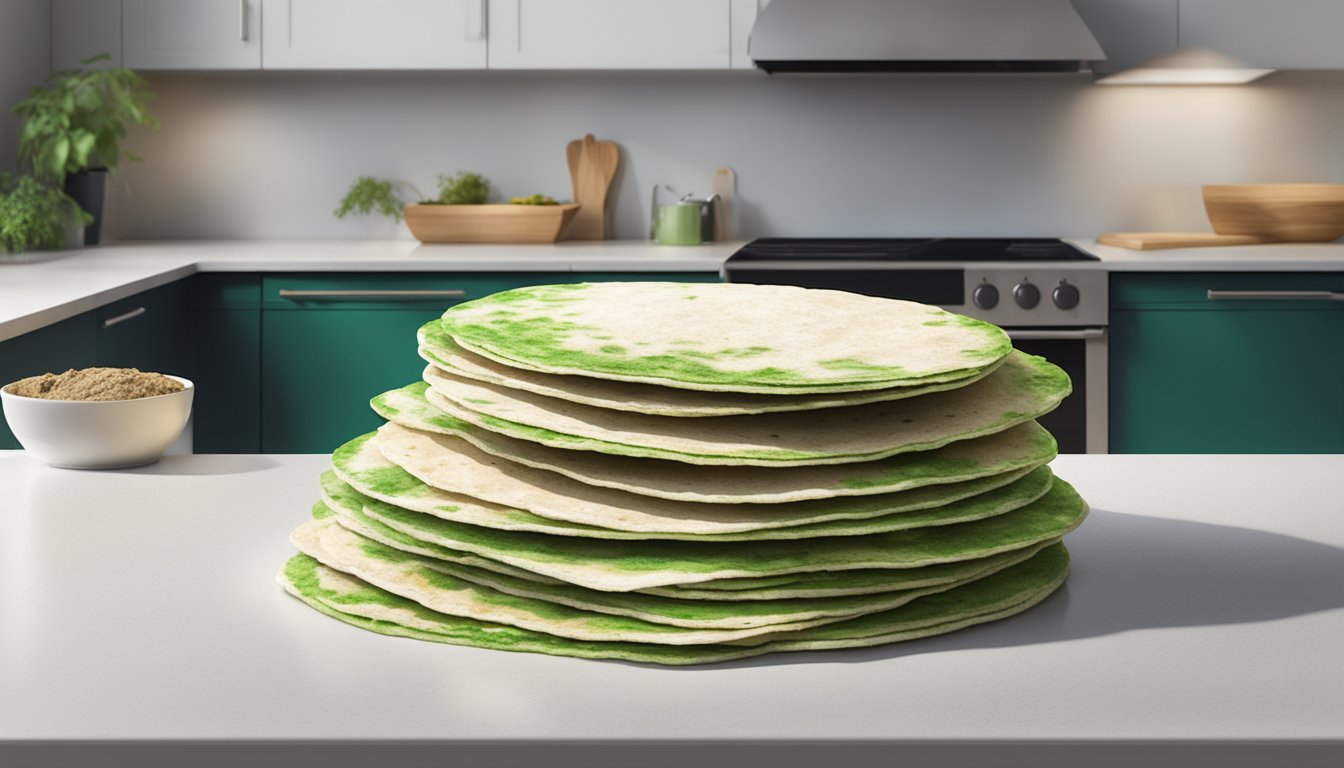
(1132, 572)
(218, 464)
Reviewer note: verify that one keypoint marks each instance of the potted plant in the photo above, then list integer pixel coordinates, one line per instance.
(35, 216)
(460, 212)
(73, 127)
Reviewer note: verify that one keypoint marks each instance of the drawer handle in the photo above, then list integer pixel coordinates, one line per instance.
(1276, 295)
(242, 20)
(1048, 335)
(413, 295)
(119, 319)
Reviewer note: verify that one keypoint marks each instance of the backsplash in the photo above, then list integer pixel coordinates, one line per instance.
(268, 155)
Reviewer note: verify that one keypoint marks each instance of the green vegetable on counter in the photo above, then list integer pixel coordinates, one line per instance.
(534, 199)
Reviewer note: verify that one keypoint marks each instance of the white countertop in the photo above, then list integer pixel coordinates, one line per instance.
(63, 284)
(1283, 257)
(1206, 604)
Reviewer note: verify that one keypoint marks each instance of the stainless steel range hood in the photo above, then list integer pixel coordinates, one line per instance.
(922, 36)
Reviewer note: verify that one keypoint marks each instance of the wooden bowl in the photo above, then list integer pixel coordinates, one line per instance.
(1303, 213)
(489, 223)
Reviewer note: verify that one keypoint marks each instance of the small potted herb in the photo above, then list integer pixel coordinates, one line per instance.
(73, 127)
(35, 216)
(368, 196)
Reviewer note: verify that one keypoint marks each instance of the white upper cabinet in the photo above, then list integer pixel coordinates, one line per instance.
(1278, 34)
(610, 34)
(81, 29)
(191, 34)
(374, 34)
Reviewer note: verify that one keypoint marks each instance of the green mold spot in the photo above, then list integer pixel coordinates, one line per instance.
(479, 401)
(390, 481)
(387, 554)
(612, 349)
(936, 323)
(859, 366)
(927, 468)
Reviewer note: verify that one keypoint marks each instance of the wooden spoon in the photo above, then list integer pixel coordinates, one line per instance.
(592, 166)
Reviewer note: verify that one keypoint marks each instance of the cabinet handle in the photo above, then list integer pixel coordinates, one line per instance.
(242, 20)
(286, 293)
(1276, 295)
(123, 317)
(1028, 334)
(475, 19)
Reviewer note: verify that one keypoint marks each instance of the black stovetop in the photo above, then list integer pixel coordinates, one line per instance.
(943, 249)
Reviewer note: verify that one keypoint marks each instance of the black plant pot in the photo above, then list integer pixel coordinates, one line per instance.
(88, 188)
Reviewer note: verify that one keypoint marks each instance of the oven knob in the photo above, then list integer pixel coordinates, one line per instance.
(1026, 295)
(1065, 295)
(985, 296)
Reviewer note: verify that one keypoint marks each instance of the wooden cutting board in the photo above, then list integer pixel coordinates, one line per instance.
(1152, 241)
(592, 166)
(725, 186)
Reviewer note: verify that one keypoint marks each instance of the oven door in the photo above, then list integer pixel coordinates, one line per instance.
(1079, 423)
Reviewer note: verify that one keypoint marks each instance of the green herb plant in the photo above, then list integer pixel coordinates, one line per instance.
(466, 188)
(368, 195)
(34, 216)
(77, 119)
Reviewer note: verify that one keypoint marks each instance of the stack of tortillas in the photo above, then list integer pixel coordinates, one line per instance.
(686, 473)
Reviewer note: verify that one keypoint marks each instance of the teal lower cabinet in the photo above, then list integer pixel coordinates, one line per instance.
(225, 319)
(147, 331)
(331, 342)
(1255, 367)
(53, 349)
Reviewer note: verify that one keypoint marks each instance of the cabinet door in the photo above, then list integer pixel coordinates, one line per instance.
(226, 328)
(191, 34)
(1281, 34)
(1191, 375)
(325, 355)
(374, 34)
(610, 34)
(53, 349)
(321, 367)
(149, 331)
(81, 29)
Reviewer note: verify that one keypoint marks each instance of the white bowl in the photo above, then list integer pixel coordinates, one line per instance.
(98, 434)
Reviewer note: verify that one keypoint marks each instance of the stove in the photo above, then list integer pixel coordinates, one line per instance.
(1049, 296)
(1007, 281)
(911, 249)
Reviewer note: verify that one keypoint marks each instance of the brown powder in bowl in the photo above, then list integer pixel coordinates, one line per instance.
(95, 384)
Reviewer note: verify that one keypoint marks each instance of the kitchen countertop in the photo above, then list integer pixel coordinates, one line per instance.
(62, 284)
(1205, 608)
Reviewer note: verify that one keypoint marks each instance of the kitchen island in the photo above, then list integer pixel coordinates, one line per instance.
(140, 623)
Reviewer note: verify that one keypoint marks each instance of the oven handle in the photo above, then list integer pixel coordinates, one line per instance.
(1030, 334)
(1216, 295)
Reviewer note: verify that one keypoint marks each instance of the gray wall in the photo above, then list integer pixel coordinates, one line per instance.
(25, 57)
(267, 155)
